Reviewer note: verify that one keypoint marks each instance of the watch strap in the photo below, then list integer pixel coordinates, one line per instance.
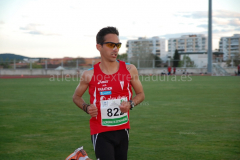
(131, 104)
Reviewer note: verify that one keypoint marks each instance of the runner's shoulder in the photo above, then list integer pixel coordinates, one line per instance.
(87, 75)
(131, 67)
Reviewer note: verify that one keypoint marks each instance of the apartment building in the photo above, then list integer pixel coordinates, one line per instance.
(187, 43)
(229, 45)
(144, 45)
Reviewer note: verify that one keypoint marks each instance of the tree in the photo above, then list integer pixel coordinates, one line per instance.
(235, 59)
(176, 58)
(157, 60)
(73, 62)
(35, 65)
(142, 51)
(122, 57)
(5, 63)
(186, 59)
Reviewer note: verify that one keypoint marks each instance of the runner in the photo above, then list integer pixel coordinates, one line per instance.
(110, 85)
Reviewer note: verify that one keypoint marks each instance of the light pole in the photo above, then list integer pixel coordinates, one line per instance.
(169, 58)
(209, 69)
(232, 60)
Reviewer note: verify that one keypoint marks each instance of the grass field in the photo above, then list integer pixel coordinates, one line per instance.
(194, 119)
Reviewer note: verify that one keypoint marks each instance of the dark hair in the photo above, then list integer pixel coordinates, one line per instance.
(103, 32)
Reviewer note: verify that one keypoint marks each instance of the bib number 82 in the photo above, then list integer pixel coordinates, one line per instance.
(115, 110)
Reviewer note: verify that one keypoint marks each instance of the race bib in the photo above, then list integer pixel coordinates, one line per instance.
(111, 113)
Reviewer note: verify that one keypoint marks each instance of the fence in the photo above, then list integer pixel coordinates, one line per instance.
(62, 64)
(45, 64)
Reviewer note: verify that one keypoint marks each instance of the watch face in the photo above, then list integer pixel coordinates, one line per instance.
(132, 104)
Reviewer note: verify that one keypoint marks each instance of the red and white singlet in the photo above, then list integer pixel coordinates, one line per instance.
(106, 93)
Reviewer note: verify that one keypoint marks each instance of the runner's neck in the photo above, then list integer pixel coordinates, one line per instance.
(109, 67)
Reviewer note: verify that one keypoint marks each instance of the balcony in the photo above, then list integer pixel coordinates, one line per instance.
(234, 51)
(234, 48)
(181, 41)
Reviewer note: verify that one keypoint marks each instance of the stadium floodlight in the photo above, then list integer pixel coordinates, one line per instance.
(209, 68)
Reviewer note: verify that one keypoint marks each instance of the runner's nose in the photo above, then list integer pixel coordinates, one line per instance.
(115, 48)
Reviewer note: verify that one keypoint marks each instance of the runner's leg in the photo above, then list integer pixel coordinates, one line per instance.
(121, 150)
(104, 149)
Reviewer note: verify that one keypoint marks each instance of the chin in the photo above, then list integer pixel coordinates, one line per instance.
(113, 59)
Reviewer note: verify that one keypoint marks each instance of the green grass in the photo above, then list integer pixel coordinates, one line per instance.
(197, 119)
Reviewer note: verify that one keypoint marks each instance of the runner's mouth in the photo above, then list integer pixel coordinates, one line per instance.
(114, 55)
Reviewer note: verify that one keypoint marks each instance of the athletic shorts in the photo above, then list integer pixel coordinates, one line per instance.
(112, 145)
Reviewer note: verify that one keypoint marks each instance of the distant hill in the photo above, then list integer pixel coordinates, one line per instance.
(10, 56)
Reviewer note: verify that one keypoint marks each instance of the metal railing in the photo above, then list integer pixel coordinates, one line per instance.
(81, 64)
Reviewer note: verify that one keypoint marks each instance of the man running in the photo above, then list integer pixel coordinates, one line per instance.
(110, 85)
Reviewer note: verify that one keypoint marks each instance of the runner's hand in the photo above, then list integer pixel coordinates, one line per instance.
(92, 110)
(125, 106)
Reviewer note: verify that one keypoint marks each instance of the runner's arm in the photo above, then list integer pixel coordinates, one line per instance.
(137, 85)
(80, 90)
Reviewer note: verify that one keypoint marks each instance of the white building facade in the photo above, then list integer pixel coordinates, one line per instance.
(187, 43)
(229, 45)
(190, 43)
(154, 45)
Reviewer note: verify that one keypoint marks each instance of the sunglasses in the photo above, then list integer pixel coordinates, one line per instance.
(112, 45)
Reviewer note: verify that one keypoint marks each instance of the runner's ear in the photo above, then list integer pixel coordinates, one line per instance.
(99, 46)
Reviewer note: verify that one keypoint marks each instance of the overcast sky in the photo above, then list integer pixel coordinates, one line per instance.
(67, 28)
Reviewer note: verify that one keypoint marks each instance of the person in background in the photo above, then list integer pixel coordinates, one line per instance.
(239, 69)
(174, 70)
(169, 70)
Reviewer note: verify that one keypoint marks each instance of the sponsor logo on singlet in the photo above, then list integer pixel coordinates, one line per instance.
(112, 98)
(106, 93)
(101, 82)
(105, 89)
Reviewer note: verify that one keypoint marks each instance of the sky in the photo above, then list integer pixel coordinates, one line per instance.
(68, 28)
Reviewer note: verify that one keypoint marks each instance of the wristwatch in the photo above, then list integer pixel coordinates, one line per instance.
(131, 104)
